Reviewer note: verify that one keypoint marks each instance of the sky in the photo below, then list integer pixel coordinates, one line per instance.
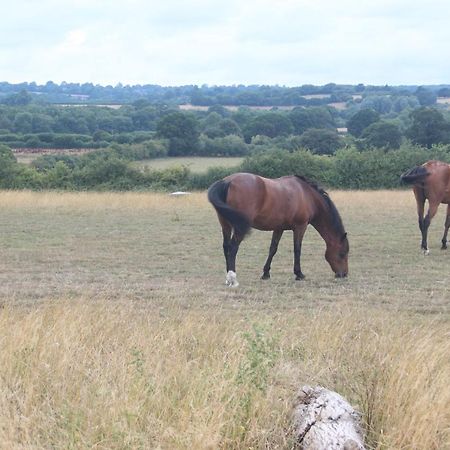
(227, 42)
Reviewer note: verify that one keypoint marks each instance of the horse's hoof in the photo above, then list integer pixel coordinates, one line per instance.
(299, 277)
(265, 276)
(426, 251)
(231, 279)
(444, 247)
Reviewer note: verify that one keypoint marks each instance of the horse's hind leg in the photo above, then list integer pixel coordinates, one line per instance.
(231, 279)
(420, 200)
(447, 226)
(299, 232)
(226, 233)
(276, 236)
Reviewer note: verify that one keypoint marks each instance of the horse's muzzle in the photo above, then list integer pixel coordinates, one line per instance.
(341, 275)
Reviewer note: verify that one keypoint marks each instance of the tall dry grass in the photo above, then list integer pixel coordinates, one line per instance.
(110, 374)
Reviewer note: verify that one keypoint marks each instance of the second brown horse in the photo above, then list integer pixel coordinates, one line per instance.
(244, 200)
(430, 181)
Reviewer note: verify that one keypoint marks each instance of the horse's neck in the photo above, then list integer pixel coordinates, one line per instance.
(323, 223)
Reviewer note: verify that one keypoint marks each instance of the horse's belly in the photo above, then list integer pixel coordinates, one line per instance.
(266, 227)
(265, 223)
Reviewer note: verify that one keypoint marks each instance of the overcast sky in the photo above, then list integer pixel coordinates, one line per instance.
(176, 42)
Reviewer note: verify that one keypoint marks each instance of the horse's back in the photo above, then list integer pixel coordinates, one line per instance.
(269, 203)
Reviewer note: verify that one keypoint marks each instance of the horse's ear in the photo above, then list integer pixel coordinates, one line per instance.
(344, 237)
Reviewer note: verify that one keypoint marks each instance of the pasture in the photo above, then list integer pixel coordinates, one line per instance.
(117, 330)
(28, 155)
(198, 164)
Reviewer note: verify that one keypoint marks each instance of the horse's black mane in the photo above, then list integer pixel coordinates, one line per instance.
(335, 216)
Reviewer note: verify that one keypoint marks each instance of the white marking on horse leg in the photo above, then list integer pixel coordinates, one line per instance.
(426, 252)
(231, 279)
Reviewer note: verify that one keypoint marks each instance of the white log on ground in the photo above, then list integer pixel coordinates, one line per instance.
(324, 420)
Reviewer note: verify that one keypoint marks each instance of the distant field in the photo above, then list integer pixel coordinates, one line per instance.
(117, 330)
(195, 164)
(190, 107)
(28, 155)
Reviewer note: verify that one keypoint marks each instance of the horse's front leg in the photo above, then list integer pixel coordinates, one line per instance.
(299, 232)
(231, 279)
(276, 236)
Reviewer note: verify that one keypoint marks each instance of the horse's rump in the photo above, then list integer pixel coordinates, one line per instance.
(217, 195)
(416, 174)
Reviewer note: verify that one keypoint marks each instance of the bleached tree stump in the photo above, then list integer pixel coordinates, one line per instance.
(323, 420)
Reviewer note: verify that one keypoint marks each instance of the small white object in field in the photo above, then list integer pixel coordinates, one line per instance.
(323, 420)
(179, 193)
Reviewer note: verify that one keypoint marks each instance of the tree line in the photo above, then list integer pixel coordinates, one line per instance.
(218, 131)
(238, 95)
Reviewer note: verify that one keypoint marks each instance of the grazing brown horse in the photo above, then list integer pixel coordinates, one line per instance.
(243, 200)
(430, 181)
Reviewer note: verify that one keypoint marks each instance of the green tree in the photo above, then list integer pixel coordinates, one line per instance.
(210, 125)
(229, 126)
(219, 109)
(321, 141)
(382, 134)
(269, 124)
(428, 127)
(361, 120)
(23, 122)
(425, 96)
(144, 118)
(379, 103)
(41, 123)
(181, 129)
(444, 92)
(315, 117)
(21, 99)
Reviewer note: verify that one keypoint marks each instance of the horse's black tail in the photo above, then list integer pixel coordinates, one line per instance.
(414, 175)
(217, 195)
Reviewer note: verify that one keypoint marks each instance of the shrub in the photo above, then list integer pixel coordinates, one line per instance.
(276, 163)
(204, 180)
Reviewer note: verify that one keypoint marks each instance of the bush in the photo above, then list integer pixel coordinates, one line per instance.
(204, 180)
(277, 163)
(47, 162)
(10, 137)
(376, 169)
(72, 141)
(108, 172)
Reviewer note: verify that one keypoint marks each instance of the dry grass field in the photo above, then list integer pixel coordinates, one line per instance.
(117, 331)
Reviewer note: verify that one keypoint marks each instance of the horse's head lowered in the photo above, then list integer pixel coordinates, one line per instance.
(337, 255)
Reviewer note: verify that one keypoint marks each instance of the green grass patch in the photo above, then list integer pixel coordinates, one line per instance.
(193, 163)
